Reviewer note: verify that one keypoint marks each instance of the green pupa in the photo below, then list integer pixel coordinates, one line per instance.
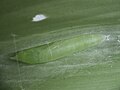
(56, 50)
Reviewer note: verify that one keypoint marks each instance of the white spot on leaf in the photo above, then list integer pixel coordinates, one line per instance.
(118, 41)
(39, 17)
(107, 37)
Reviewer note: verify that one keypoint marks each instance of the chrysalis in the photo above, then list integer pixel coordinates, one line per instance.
(56, 50)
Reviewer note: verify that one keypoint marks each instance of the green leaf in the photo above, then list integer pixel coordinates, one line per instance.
(97, 67)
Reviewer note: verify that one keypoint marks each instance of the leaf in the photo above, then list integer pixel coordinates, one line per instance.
(97, 67)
